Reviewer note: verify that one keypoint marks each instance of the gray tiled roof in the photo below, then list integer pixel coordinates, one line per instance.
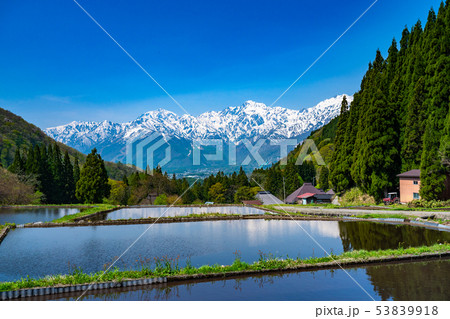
(268, 199)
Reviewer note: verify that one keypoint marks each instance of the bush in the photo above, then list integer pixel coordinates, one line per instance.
(161, 200)
(356, 197)
(172, 199)
(421, 203)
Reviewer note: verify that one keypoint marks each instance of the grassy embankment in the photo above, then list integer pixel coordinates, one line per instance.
(190, 216)
(365, 216)
(394, 207)
(12, 225)
(169, 267)
(84, 212)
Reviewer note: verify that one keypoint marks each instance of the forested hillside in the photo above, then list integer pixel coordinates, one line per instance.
(399, 120)
(16, 133)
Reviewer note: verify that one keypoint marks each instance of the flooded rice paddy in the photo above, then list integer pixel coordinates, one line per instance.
(428, 280)
(163, 211)
(31, 215)
(44, 251)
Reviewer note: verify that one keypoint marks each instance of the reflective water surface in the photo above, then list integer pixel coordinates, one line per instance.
(30, 215)
(400, 282)
(44, 251)
(163, 211)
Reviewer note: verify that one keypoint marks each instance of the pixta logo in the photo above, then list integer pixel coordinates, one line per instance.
(143, 153)
(154, 150)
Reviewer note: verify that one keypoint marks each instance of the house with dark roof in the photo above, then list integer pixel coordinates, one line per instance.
(306, 188)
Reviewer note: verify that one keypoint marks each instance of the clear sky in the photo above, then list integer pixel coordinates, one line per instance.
(57, 66)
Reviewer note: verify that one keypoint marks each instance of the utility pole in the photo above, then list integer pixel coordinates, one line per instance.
(284, 190)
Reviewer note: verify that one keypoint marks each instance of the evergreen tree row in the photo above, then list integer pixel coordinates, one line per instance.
(399, 119)
(50, 173)
(58, 179)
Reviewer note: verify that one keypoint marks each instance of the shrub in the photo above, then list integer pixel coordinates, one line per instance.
(161, 200)
(421, 203)
(172, 199)
(355, 197)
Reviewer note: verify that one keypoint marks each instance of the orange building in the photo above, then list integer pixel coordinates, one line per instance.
(409, 185)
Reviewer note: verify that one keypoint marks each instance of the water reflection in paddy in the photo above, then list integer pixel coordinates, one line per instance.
(401, 282)
(145, 212)
(43, 251)
(30, 215)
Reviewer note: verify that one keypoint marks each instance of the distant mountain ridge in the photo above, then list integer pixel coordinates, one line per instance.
(250, 121)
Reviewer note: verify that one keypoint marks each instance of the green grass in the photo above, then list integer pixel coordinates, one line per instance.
(12, 225)
(84, 212)
(201, 215)
(165, 267)
(401, 216)
(328, 205)
(375, 215)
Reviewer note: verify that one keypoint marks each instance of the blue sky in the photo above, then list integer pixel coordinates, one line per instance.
(57, 66)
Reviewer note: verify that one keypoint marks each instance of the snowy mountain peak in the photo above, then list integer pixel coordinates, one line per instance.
(252, 120)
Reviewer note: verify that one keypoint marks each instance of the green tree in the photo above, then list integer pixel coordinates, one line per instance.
(340, 173)
(161, 200)
(245, 193)
(119, 193)
(216, 193)
(188, 197)
(18, 165)
(444, 149)
(291, 177)
(68, 180)
(57, 171)
(323, 178)
(242, 179)
(274, 181)
(432, 175)
(93, 184)
(412, 145)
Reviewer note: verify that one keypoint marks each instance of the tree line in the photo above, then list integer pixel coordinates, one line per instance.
(143, 187)
(57, 179)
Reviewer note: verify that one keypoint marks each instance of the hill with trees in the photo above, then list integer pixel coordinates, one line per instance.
(399, 119)
(18, 134)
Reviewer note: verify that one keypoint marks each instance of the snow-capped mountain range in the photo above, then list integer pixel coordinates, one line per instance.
(250, 121)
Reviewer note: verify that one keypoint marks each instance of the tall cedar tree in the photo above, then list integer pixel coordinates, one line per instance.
(68, 180)
(93, 184)
(340, 175)
(323, 178)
